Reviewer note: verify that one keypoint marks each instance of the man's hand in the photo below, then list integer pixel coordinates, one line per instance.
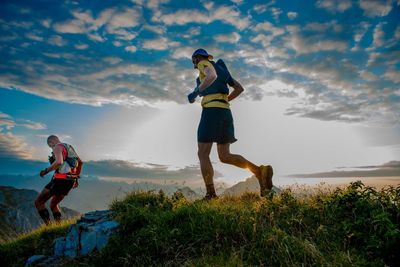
(43, 172)
(192, 96)
(76, 183)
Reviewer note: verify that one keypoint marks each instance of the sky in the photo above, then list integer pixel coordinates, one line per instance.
(321, 82)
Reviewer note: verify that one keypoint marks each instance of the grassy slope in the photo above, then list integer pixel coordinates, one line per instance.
(356, 226)
(37, 242)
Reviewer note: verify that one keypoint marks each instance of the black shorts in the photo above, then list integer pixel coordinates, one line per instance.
(216, 125)
(60, 186)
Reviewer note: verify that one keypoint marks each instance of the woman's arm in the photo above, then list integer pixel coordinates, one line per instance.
(237, 90)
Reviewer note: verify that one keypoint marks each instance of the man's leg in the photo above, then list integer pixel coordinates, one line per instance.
(207, 170)
(55, 208)
(40, 204)
(263, 173)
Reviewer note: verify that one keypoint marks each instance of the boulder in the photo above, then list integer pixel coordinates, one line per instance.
(90, 233)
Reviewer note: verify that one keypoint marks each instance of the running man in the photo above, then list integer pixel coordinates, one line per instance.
(61, 182)
(216, 123)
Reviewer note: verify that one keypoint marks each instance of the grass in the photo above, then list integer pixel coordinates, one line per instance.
(352, 226)
(37, 242)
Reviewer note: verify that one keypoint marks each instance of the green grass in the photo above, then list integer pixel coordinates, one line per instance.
(355, 226)
(37, 242)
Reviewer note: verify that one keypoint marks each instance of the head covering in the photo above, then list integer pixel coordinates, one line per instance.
(202, 52)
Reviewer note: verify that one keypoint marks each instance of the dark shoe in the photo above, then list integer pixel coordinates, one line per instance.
(266, 179)
(210, 196)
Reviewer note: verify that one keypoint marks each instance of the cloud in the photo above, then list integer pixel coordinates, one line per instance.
(128, 18)
(81, 46)
(392, 75)
(182, 52)
(238, 2)
(323, 27)
(154, 28)
(161, 43)
(46, 23)
(34, 37)
(112, 60)
(32, 125)
(155, 4)
(131, 48)
(359, 32)
(378, 36)
(191, 32)
(334, 5)
(313, 43)
(6, 121)
(265, 40)
(389, 169)
(116, 22)
(13, 146)
(374, 8)
(57, 40)
(292, 15)
(269, 28)
(226, 14)
(276, 12)
(227, 38)
(260, 8)
(119, 168)
(71, 26)
(16, 164)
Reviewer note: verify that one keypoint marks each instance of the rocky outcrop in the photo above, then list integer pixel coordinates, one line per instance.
(90, 233)
(18, 213)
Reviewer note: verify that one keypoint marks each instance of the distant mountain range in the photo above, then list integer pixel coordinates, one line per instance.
(93, 193)
(18, 213)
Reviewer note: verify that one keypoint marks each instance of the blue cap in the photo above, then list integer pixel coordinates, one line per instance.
(202, 52)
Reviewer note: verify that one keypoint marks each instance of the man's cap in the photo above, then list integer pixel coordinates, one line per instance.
(202, 52)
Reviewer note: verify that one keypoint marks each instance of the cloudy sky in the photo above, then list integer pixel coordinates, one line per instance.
(321, 82)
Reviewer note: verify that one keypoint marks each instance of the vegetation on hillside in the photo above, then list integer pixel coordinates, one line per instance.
(37, 242)
(354, 226)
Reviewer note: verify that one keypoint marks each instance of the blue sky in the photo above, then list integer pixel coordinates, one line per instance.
(112, 77)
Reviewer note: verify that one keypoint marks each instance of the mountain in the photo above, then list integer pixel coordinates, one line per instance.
(189, 193)
(94, 193)
(18, 213)
(249, 185)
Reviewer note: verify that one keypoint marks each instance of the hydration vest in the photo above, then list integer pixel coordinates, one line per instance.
(216, 95)
(71, 167)
(220, 84)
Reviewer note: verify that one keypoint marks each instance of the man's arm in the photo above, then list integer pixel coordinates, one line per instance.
(211, 76)
(57, 163)
(237, 90)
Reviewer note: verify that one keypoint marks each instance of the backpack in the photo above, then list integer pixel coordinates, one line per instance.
(72, 160)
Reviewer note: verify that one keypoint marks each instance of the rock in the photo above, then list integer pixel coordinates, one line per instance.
(59, 246)
(88, 241)
(72, 241)
(33, 260)
(95, 216)
(90, 233)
